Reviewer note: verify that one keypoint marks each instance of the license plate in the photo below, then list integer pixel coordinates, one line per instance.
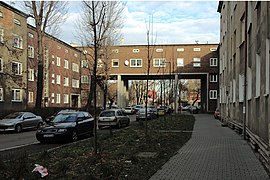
(48, 135)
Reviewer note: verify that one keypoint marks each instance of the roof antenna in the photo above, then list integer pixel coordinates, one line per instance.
(196, 41)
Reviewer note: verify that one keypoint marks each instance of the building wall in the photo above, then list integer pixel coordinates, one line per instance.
(13, 52)
(232, 66)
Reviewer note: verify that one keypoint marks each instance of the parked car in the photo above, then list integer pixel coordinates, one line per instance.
(113, 117)
(186, 108)
(161, 111)
(137, 107)
(66, 126)
(217, 114)
(194, 110)
(140, 114)
(19, 121)
(154, 110)
(50, 118)
(129, 110)
(168, 109)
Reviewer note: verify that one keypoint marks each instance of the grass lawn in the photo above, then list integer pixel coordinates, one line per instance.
(129, 153)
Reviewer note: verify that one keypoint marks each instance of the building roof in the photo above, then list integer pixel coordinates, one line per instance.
(13, 9)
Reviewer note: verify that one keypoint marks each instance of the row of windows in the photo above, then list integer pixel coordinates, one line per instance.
(16, 67)
(57, 80)
(16, 95)
(161, 62)
(75, 67)
(161, 50)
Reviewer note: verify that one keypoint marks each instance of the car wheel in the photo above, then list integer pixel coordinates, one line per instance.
(39, 125)
(74, 136)
(18, 128)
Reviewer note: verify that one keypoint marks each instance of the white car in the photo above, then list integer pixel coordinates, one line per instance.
(129, 110)
(113, 117)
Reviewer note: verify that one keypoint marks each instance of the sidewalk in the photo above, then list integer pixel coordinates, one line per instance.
(213, 152)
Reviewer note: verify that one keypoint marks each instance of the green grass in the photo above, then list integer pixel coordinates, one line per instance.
(117, 157)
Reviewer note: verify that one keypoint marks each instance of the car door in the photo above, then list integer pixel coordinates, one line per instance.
(88, 122)
(122, 117)
(80, 123)
(27, 120)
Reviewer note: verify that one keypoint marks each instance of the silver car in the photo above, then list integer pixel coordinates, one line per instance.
(19, 121)
(113, 117)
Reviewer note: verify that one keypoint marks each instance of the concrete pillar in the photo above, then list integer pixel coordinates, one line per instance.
(121, 93)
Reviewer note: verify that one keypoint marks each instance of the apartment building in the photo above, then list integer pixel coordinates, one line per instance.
(244, 57)
(13, 54)
(62, 74)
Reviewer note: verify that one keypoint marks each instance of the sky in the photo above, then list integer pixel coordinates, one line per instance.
(174, 22)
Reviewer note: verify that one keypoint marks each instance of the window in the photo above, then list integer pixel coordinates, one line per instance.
(136, 50)
(58, 98)
(196, 49)
(243, 28)
(1, 65)
(1, 35)
(58, 47)
(135, 62)
(213, 49)
(66, 98)
(1, 94)
(66, 51)
(180, 62)
(159, 50)
(196, 59)
(31, 74)
(66, 82)
(75, 67)
(65, 64)
(58, 79)
(31, 52)
(75, 83)
(213, 94)
(84, 64)
(30, 97)
(17, 68)
(84, 79)
(17, 41)
(16, 21)
(115, 50)
(213, 78)
(16, 95)
(75, 55)
(159, 62)
(58, 61)
(30, 35)
(213, 61)
(1, 14)
(115, 62)
(99, 63)
(180, 49)
(52, 95)
(267, 62)
(196, 64)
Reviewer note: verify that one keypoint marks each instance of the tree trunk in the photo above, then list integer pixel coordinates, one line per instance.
(40, 71)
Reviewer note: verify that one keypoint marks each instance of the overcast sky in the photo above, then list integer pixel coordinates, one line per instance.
(174, 22)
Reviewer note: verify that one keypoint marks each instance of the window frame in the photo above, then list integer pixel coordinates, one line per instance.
(114, 61)
(31, 74)
(66, 81)
(58, 98)
(75, 67)
(213, 94)
(19, 68)
(1, 65)
(180, 64)
(18, 44)
(66, 64)
(1, 94)
(58, 79)
(75, 82)
(161, 62)
(213, 78)
(30, 97)
(136, 62)
(213, 62)
(14, 95)
(66, 99)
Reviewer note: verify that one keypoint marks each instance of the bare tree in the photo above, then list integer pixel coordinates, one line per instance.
(100, 20)
(47, 15)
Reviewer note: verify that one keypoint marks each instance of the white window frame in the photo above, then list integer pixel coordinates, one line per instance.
(75, 83)
(17, 41)
(99, 63)
(213, 77)
(115, 51)
(1, 94)
(66, 81)
(161, 62)
(213, 61)
(1, 35)
(85, 79)
(19, 68)
(136, 63)
(66, 64)
(213, 49)
(58, 61)
(1, 65)
(115, 61)
(258, 76)
(66, 98)
(84, 64)
(136, 50)
(30, 97)
(31, 52)
(31, 74)
(66, 51)
(58, 98)
(197, 49)
(196, 64)
(159, 50)
(16, 95)
(213, 94)
(180, 62)
(75, 67)
(17, 21)
(58, 79)
(196, 59)
(267, 63)
(180, 49)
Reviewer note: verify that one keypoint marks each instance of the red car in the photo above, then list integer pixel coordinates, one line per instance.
(217, 114)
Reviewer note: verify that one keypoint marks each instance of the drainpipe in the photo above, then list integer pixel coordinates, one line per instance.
(245, 73)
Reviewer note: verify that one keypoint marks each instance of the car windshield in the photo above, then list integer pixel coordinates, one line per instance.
(16, 115)
(107, 114)
(64, 118)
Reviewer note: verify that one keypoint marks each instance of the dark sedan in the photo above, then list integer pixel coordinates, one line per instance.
(67, 126)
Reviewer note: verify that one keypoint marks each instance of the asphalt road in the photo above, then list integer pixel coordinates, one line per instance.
(11, 143)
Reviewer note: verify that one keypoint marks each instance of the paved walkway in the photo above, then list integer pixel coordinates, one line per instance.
(213, 152)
